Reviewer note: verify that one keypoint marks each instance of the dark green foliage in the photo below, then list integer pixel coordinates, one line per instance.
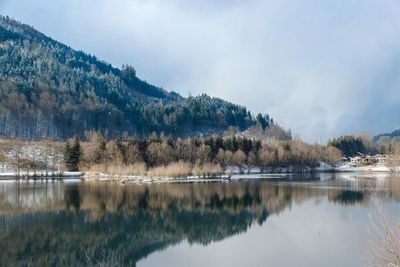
(128, 74)
(48, 90)
(72, 155)
(349, 145)
(263, 121)
(67, 153)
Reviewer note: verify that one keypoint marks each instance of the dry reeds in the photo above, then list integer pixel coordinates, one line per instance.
(173, 170)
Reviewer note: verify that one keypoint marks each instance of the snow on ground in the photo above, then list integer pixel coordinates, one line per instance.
(345, 168)
(31, 156)
(323, 166)
(379, 167)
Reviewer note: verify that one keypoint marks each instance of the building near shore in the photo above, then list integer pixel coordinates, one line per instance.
(362, 159)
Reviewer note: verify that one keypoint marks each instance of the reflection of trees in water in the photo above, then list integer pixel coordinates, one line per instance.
(347, 197)
(72, 198)
(126, 223)
(60, 239)
(30, 196)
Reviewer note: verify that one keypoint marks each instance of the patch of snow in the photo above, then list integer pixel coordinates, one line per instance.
(323, 166)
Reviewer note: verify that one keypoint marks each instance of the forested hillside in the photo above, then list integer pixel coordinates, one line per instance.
(393, 135)
(50, 91)
(387, 141)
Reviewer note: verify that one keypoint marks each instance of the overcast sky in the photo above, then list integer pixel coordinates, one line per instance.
(320, 68)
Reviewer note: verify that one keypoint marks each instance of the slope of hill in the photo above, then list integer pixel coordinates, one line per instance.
(394, 136)
(49, 90)
(395, 133)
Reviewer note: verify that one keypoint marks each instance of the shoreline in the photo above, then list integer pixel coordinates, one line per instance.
(279, 173)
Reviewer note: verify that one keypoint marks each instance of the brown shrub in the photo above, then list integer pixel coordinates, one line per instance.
(174, 170)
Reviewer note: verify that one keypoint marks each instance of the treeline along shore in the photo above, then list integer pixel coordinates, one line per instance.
(161, 156)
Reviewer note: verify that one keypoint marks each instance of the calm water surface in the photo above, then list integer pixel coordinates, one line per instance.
(250, 222)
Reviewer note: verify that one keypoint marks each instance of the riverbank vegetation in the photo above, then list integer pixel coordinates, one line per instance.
(163, 156)
(200, 156)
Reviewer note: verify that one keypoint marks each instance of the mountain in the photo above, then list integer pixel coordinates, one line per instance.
(395, 135)
(49, 90)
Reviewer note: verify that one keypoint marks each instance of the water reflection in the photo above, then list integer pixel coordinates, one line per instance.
(92, 223)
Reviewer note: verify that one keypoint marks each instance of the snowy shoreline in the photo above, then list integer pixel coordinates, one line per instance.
(231, 173)
(29, 175)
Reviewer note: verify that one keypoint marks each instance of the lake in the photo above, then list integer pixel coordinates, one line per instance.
(293, 221)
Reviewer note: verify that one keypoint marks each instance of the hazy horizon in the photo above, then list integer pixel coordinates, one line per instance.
(319, 68)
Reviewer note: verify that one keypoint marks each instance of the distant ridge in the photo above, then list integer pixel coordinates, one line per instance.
(394, 134)
(50, 91)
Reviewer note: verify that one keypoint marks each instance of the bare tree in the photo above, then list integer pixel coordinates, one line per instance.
(228, 157)
(252, 160)
(221, 158)
(383, 249)
(160, 154)
(114, 152)
(239, 159)
(267, 158)
(396, 155)
(2, 160)
(18, 159)
(332, 155)
(58, 162)
(133, 154)
(203, 153)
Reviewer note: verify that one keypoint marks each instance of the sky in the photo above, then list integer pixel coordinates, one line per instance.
(320, 68)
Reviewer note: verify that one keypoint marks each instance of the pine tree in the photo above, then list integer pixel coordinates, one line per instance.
(72, 155)
(76, 154)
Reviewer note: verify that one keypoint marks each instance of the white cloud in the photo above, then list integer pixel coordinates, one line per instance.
(321, 68)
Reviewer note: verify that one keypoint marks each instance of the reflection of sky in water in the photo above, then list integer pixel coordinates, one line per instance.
(240, 223)
(306, 235)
